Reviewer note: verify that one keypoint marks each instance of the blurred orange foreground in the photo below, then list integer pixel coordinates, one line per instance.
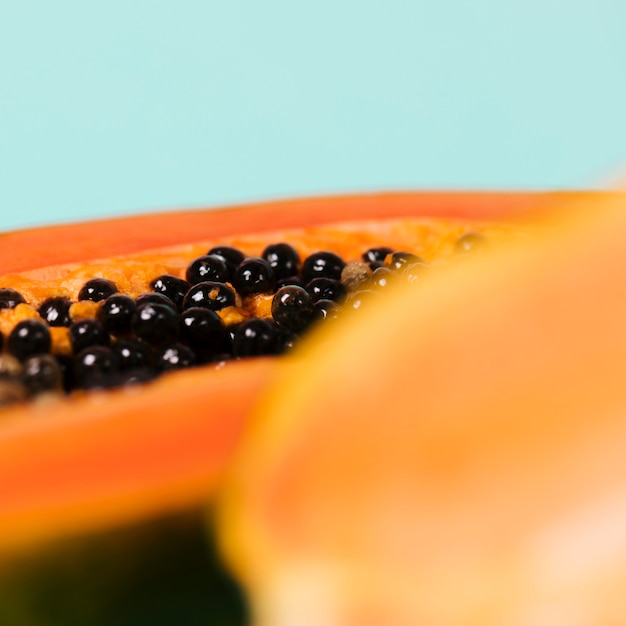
(456, 456)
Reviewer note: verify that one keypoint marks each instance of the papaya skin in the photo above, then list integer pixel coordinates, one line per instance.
(37, 248)
(97, 461)
(474, 474)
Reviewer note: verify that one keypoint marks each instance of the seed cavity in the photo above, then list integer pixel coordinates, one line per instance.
(224, 306)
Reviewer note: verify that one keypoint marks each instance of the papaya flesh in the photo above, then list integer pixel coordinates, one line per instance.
(467, 466)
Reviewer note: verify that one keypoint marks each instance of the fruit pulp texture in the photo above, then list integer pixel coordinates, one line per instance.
(432, 239)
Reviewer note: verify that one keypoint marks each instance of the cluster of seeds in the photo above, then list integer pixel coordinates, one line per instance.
(227, 306)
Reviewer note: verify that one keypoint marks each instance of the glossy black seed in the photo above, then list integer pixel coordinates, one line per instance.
(155, 323)
(470, 242)
(41, 373)
(290, 280)
(322, 264)
(399, 259)
(283, 259)
(97, 289)
(56, 311)
(326, 289)
(414, 272)
(254, 275)
(116, 312)
(326, 310)
(207, 267)
(133, 354)
(376, 256)
(218, 359)
(66, 365)
(154, 297)
(95, 367)
(381, 278)
(362, 299)
(136, 376)
(203, 331)
(9, 298)
(171, 286)
(29, 337)
(254, 337)
(232, 256)
(292, 307)
(210, 295)
(175, 356)
(286, 340)
(231, 330)
(89, 332)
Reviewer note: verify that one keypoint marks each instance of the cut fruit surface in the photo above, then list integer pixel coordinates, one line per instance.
(431, 237)
(111, 456)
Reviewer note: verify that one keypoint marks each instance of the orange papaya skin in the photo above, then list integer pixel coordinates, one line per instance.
(106, 459)
(74, 243)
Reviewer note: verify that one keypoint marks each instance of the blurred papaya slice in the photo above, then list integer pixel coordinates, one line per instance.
(113, 457)
(454, 455)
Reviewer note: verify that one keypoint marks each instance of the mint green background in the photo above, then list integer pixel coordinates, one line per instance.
(132, 105)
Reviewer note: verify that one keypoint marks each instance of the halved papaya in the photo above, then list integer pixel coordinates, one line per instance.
(95, 461)
(92, 460)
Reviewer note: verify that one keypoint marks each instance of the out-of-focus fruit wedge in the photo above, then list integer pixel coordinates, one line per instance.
(453, 455)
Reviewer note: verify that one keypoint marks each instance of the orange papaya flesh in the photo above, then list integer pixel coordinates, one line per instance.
(473, 474)
(430, 237)
(112, 457)
(97, 460)
(46, 442)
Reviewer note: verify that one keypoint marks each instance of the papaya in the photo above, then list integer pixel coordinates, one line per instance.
(467, 465)
(79, 469)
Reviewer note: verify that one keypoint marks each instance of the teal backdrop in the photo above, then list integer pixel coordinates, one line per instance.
(127, 106)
